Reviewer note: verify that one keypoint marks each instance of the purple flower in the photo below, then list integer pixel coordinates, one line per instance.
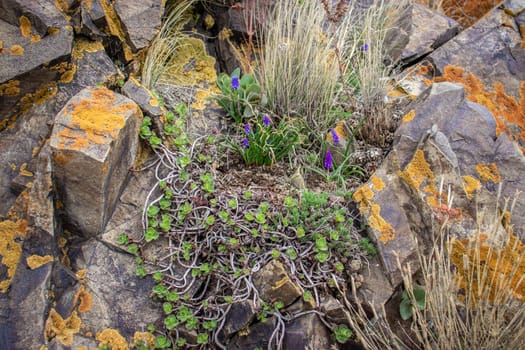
(328, 163)
(235, 83)
(364, 47)
(335, 137)
(245, 142)
(266, 120)
(247, 129)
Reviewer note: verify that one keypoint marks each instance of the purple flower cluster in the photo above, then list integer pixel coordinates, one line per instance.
(328, 162)
(266, 120)
(335, 137)
(235, 83)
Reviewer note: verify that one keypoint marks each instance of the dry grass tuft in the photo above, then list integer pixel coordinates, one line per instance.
(166, 43)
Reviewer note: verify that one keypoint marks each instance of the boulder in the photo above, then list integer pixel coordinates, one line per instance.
(24, 51)
(440, 168)
(23, 137)
(94, 143)
(140, 20)
(240, 315)
(257, 335)
(148, 103)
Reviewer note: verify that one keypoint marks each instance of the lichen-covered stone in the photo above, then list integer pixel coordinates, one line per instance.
(143, 97)
(241, 314)
(274, 284)
(27, 53)
(43, 15)
(94, 142)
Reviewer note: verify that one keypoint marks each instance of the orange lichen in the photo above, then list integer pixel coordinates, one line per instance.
(143, 338)
(53, 30)
(62, 329)
(16, 50)
(113, 339)
(485, 270)
(377, 182)
(68, 75)
(488, 172)
(81, 274)
(339, 130)
(470, 185)
(10, 249)
(36, 261)
(60, 159)
(84, 300)
(363, 196)
(417, 171)
(25, 26)
(23, 170)
(409, 116)
(62, 5)
(467, 12)
(505, 109)
(11, 88)
(96, 120)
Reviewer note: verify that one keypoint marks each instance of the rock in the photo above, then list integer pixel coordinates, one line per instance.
(514, 7)
(140, 20)
(257, 335)
(241, 314)
(143, 97)
(94, 143)
(23, 138)
(43, 15)
(376, 289)
(109, 296)
(499, 59)
(274, 284)
(307, 332)
(436, 154)
(24, 52)
(333, 309)
(29, 293)
(428, 31)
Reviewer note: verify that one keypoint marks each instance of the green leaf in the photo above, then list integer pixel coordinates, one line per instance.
(161, 342)
(405, 309)
(202, 338)
(342, 333)
(168, 308)
(151, 234)
(153, 210)
(171, 322)
(123, 239)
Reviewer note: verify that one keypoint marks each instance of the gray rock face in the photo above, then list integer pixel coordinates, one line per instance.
(428, 31)
(141, 20)
(143, 97)
(241, 314)
(446, 145)
(119, 299)
(29, 293)
(24, 52)
(257, 335)
(307, 332)
(94, 142)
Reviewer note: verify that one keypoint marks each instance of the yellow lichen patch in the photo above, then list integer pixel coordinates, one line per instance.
(377, 182)
(209, 22)
(386, 231)
(96, 120)
(84, 300)
(62, 5)
(11, 88)
(62, 329)
(191, 65)
(363, 196)
(485, 270)
(488, 172)
(470, 185)
(143, 338)
(81, 274)
(10, 250)
(36, 261)
(53, 30)
(417, 171)
(154, 102)
(113, 339)
(25, 26)
(81, 45)
(409, 116)
(115, 27)
(68, 75)
(202, 99)
(16, 50)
